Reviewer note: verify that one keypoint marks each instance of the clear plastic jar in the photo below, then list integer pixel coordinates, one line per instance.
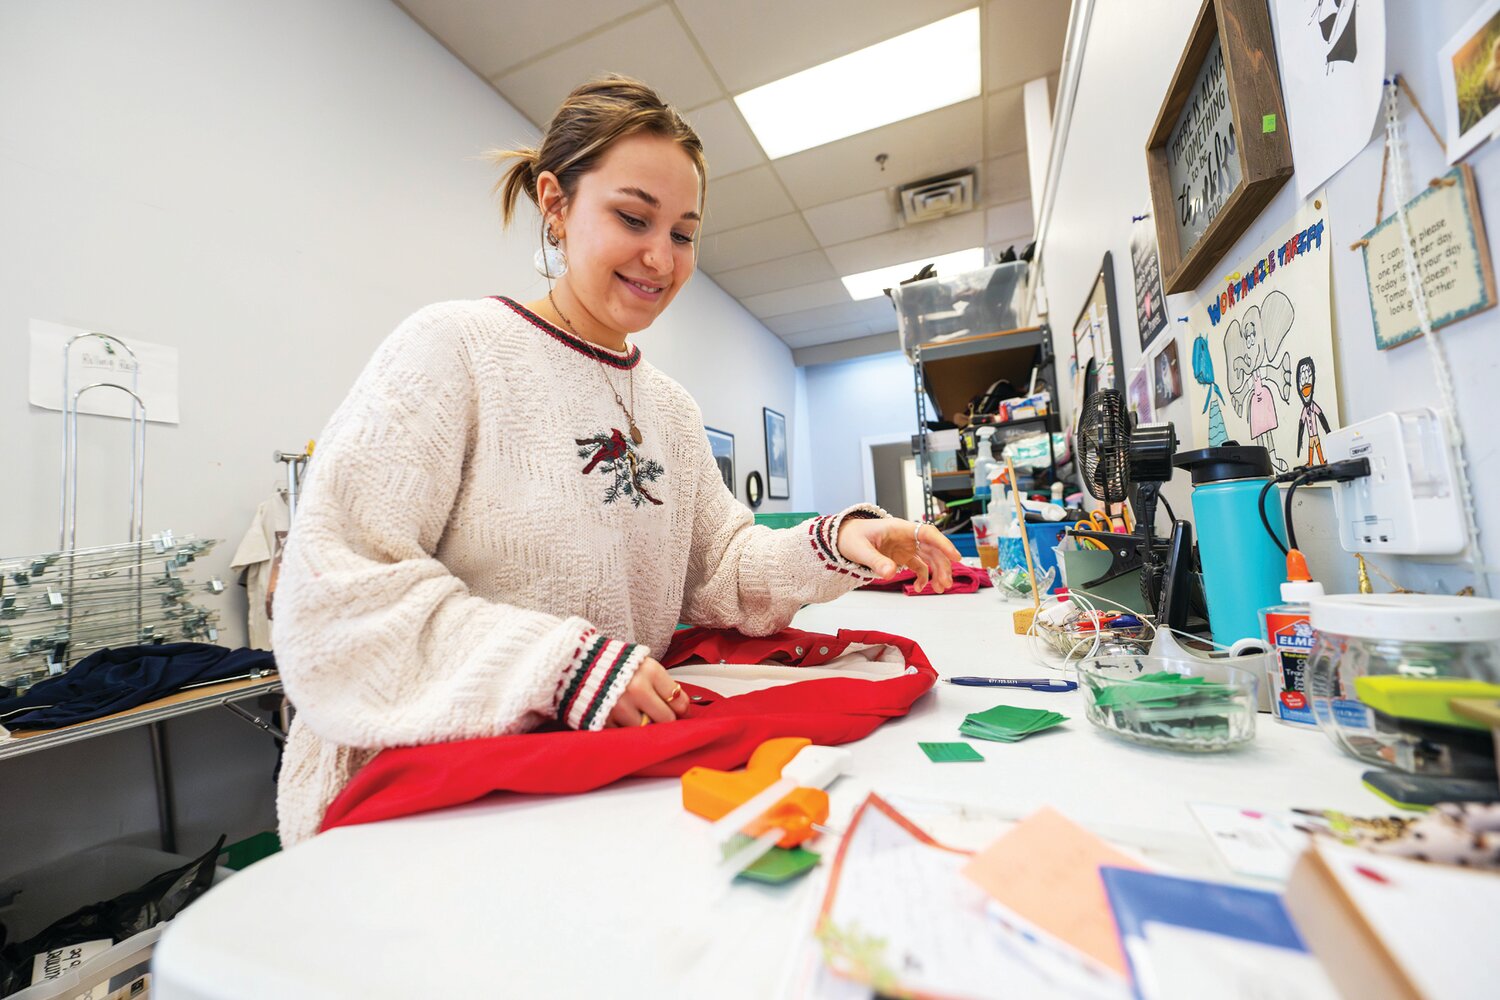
(1406, 635)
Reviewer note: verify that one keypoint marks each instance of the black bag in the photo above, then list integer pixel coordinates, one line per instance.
(126, 915)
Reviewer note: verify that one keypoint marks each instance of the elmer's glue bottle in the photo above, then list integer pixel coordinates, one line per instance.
(1288, 631)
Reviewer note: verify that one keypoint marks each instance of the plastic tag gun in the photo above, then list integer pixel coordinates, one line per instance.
(776, 801)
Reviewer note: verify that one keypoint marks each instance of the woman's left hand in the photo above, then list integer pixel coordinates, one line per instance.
(886, 544)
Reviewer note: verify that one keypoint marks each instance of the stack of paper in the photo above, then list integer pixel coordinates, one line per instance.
(1008, 724)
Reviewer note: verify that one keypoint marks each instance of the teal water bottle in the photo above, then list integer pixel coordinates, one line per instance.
(1243, 568)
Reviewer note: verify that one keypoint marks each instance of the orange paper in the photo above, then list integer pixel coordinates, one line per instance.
(1046, 869)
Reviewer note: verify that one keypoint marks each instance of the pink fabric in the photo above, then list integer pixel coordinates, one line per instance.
(966, 580)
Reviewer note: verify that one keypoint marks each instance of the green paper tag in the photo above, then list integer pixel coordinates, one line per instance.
(1267, 124)
(948, 753)
(781, 864)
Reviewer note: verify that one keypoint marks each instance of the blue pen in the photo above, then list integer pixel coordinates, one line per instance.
(1034, 683)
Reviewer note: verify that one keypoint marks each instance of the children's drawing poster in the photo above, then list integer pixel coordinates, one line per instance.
(1262, 351)
(1331, 54)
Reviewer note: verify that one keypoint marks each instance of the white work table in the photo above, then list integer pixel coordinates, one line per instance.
(608, 893)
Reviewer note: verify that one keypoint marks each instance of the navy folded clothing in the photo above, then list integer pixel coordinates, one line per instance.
(113, 680)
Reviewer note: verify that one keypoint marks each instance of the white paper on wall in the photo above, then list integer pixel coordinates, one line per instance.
(1264, 373)
(1331, 54)
(98, 360)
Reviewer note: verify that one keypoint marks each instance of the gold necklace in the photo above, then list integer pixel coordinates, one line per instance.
(635, 432)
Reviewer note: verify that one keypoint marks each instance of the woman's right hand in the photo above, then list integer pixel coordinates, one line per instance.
(651, 695)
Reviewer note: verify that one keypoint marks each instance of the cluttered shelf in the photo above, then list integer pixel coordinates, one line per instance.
(171, 706)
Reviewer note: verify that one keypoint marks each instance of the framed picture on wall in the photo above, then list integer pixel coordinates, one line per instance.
(1219, 150)
(1096, 331)
(721, 443)
(778, 461)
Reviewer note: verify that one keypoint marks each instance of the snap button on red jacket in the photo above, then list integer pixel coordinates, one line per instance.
(720, 733)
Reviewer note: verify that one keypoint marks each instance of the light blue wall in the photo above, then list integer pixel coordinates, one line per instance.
(847, 401)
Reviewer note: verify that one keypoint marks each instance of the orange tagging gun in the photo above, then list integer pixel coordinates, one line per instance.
(777, 800)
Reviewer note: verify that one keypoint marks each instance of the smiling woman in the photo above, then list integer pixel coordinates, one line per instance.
(512, 508)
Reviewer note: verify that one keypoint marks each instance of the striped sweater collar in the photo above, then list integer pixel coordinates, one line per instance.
(578, 344)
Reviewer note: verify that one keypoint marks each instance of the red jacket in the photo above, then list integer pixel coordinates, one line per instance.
(719, 733)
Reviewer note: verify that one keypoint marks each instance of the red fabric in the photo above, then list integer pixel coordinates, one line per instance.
(720, 734)
(966, 580)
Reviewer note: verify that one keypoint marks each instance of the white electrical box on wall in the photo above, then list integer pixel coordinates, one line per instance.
(1409, 504)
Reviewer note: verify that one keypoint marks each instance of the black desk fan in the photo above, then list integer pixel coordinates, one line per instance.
(1119, 461)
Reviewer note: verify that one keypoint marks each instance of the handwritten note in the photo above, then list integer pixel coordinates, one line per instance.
(1046, 870)
(1453, 260)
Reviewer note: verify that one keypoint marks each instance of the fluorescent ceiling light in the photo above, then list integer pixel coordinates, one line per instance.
(868, 284)
(917, 72)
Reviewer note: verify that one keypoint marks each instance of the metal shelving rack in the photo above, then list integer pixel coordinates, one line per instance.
(953, 369)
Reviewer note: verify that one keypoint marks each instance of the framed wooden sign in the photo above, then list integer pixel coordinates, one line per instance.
(1453, 259)
(1219, 149)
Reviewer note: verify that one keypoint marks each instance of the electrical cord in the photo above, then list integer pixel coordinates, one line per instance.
(1334, 472)
(1260, 507)
(1291, 530)
(1172, 514)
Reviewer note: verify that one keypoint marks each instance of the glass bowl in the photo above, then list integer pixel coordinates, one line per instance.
(1200, 706)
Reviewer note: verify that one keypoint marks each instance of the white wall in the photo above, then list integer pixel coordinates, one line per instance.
(1131, 52)
(847, 401)
(269, 187)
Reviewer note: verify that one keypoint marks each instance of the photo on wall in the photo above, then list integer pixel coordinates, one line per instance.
(1469, 69)
(1138, 398)
(778, 463)
(1166, 374)
(721, 443)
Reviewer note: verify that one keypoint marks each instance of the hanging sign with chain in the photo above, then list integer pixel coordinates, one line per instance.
(1452, 251)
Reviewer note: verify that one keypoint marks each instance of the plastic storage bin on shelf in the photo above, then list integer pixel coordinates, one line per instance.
(1417, 636)
(988, 300)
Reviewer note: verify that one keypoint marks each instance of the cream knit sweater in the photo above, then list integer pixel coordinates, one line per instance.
(480, 548)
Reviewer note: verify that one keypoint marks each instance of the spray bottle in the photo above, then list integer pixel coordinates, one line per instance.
(985, 465)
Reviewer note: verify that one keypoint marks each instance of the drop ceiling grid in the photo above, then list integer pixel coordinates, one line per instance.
(832, 193)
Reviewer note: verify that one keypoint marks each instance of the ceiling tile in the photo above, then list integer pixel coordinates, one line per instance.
(946, 139)
(829, 334)
(755, 43)
(752, 244)
(1006, 179)
(494, 37)
(788, 272)
(797, 298)
(878, 311)
(1008, 222)
(742, 198)
(1004, 122)
(650, 47)
(957, 232)
(853, 218)
(728, 144)
(1023, 40)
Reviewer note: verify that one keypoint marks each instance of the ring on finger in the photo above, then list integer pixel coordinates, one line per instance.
(645, 719)
(916, 537)
(673, 696)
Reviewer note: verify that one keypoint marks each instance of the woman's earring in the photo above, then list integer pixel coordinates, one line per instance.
(550, 261)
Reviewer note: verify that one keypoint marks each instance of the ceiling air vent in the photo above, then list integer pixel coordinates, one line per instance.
(937, 197)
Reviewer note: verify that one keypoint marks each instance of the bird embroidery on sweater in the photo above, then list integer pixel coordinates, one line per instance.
(614, 454)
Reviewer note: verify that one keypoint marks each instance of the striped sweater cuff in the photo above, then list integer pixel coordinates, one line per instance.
(595, 678)
(823, 537)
